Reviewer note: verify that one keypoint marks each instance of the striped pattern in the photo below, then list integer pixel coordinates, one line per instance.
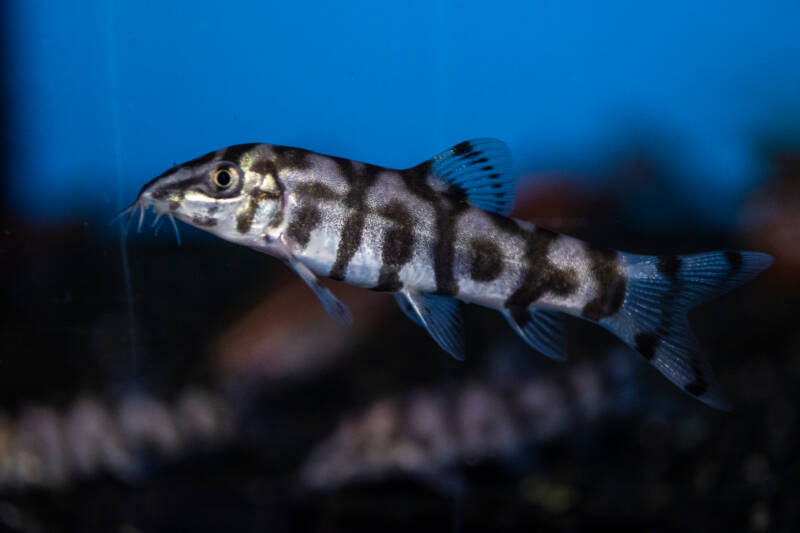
(540, 275)
(388, 230)
(359, 178)
(398, 246)
(611, 283)
(384, 236)
(437, 232)
(446, 212)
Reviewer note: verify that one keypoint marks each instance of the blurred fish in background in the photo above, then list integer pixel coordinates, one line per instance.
(43, 448)
(147, 387)
(426, 432)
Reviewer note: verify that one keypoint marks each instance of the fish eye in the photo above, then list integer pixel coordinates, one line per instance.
(222, 178)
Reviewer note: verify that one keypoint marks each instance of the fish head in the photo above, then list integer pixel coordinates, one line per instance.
(233, 193)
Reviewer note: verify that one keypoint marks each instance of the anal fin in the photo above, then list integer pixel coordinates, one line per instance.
(440, 315)
(545, 331)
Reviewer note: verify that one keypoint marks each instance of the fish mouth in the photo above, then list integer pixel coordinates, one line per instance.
(142, 204)
(130, 212)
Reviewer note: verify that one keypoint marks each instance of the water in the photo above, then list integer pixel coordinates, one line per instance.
(148, 386)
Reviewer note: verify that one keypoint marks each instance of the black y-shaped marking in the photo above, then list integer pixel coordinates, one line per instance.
(398, 246)
(359, 178)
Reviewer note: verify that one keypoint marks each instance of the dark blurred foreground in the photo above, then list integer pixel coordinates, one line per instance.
(217, 395)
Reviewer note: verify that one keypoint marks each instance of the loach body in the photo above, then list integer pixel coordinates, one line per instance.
(438, 233)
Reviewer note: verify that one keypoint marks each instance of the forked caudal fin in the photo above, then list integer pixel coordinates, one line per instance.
(660, 291)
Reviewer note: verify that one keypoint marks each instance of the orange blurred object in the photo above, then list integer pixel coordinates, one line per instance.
(289, 333)
(770, 221)
(557, 202)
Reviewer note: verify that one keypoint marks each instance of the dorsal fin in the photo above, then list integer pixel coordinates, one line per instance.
(481, 168)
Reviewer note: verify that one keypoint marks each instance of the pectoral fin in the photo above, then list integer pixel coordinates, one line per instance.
(338, 311)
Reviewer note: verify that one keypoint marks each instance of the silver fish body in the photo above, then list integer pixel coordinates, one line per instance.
(438, 233)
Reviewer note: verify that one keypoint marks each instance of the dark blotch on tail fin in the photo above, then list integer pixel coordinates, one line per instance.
(646, 344)
(660, 291)
(735, 261)
(669, 266)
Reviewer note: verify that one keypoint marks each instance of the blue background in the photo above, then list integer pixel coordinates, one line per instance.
(107, 94)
